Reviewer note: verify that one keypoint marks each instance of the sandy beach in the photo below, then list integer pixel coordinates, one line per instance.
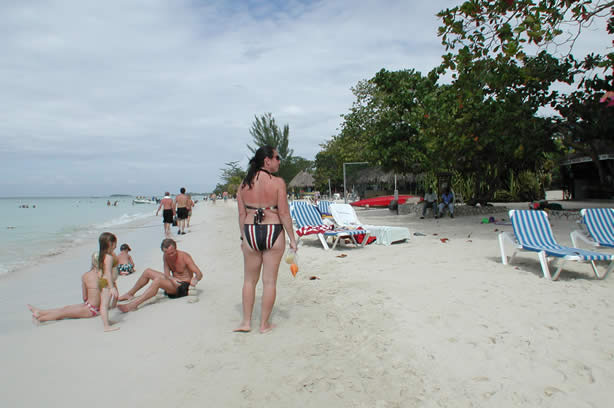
(424, 323)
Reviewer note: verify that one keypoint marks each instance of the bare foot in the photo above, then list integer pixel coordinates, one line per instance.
(128, 307)
(35, 311)
(111, 328)
(267, 328)
(243, 328)
(125, 296)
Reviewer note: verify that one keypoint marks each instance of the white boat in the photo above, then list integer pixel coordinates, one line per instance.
(143, 201)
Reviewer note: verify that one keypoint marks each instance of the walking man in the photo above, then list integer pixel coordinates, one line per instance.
(168, 212)
(181, 203)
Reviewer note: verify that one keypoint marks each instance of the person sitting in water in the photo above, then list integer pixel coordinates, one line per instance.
(92, 284)
(125, 263)
(180, 272)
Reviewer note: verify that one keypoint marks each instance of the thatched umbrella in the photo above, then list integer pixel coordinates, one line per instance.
(302, 179)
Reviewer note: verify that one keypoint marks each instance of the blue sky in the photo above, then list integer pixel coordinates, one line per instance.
(144, 96)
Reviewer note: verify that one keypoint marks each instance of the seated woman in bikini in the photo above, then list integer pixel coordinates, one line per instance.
(91, 283)
(263, 216)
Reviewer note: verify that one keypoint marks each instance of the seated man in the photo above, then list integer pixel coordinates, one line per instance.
(184, 272)
(447, 201)
(430, 201)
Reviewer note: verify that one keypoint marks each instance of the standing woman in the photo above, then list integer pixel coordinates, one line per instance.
(263, 216)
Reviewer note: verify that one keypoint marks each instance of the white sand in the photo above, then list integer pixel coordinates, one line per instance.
(423, 323)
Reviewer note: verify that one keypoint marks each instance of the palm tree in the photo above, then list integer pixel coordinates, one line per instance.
(265, 131)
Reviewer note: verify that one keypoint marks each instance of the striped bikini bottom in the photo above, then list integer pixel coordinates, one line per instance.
(261, 237)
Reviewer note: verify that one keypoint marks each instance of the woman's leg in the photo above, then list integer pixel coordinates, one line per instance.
(270, 260)
(252, 263)
(67, 312)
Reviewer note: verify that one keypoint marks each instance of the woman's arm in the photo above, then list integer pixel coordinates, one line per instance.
(242, 212)
(83, 290)
(283, 211)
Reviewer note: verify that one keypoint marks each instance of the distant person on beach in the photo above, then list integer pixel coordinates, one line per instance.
(125, 263)
(168, 212)
(181, 204)
(263, 216)
(213, 198)
(189, 206)
(108, 203)
(98, 295)
(180, 272)
(447, 201)
(430, 201)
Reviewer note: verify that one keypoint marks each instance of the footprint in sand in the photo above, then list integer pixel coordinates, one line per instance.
(193, 299)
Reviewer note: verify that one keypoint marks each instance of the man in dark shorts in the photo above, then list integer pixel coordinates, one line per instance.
(168, 213)
(181, 202)
(180, 272)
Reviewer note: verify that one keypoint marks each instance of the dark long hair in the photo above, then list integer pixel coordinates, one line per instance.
(256, 164)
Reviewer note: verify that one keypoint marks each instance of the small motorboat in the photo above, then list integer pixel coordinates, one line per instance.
(143, 201)
(382, 201)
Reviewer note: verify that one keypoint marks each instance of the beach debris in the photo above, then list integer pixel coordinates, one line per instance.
(313, 277)
(496, 229)
(469, 235)
(435, 233)
(189, 366)
(419, 234)
(341, 256)
(444, 240)
(469, 240)
(10, 227)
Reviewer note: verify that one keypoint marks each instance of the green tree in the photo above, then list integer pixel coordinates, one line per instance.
(265, 131)
(503, 28)
(586, 125)
(232, 176)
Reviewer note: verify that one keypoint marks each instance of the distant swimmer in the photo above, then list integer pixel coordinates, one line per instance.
(168, 212)
(180, 272)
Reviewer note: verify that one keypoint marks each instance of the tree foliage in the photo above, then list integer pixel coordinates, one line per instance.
(231, 178)
(504, 28)
(265, 131)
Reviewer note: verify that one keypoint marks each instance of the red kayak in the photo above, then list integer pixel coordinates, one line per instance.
(382, 201)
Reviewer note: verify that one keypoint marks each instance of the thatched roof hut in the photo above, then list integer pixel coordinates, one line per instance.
(302, 179)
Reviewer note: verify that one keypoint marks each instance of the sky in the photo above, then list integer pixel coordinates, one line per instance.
(146, 96)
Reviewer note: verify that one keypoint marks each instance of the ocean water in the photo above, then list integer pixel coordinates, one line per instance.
(50, 226)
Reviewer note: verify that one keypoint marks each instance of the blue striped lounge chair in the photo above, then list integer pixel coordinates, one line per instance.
(324, 207)
(599, 223)
(532, 232)
(306, 216)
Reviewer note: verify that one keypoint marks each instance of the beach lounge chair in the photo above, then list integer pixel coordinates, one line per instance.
(345, 216)
(599, 224)
(532, 232)
(309, 221)
(324, 207)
